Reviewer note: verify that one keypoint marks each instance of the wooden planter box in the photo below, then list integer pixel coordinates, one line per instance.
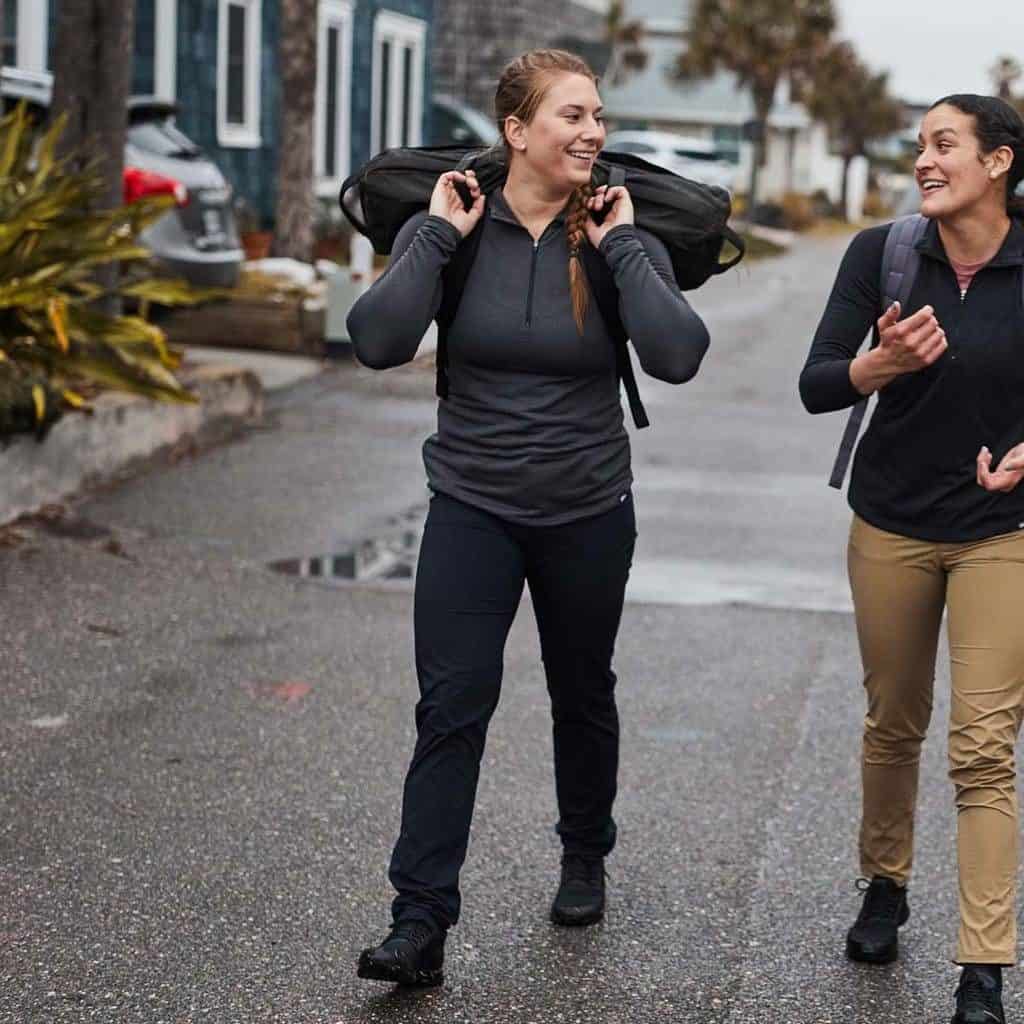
(274, 324)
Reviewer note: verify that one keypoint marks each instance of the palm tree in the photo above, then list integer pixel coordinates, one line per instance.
(624, 37)
(293, 235)
(853, 101)
(761, 42)
(92, 71)
(1005, 73)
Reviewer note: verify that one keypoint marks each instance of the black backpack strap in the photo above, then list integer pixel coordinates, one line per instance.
(900, 260)
(606, 295)
(453, 284)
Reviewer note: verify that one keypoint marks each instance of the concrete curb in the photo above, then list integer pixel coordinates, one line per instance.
(82, 452)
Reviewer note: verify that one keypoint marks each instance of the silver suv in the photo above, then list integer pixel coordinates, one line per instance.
(198, 239)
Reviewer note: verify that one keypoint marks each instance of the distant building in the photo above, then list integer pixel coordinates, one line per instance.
(716, 108)
(475, 39)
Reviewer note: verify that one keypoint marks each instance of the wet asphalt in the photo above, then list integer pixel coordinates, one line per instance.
(202, 759)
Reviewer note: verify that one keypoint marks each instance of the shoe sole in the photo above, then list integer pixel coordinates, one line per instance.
(886, 956)
(397, 974)
(582, 921)
(890, 954)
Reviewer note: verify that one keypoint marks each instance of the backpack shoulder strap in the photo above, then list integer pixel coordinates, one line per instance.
(453, 284)
(900, 260)
(606, 295)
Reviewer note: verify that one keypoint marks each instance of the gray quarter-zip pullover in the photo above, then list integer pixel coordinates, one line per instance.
(532, 430)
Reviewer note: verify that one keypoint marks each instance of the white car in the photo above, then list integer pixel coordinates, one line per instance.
(697, 159)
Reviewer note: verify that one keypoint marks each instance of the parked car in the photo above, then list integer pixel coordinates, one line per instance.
(198, 240)
(697, 159)
(453, 122)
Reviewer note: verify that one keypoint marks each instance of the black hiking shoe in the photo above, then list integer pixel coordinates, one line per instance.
(413, 954)
(580, 897)
(979, 996)
(874, 937)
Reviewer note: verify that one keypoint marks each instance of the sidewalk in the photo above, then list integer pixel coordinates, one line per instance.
(123, 432)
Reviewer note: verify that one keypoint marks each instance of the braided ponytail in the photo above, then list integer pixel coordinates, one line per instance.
(574, 227)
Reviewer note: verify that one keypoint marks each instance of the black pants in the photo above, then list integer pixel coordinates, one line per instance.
(469, 582)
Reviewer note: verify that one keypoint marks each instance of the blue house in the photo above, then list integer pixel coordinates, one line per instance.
(218, 59)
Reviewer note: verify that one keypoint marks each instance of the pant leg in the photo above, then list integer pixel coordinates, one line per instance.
(986, 640)
(577, 575)
(469, 582)
(898, 587)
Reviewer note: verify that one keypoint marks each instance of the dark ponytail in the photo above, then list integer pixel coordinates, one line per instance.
(996, 124)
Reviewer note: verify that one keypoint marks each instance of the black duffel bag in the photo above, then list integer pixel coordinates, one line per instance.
(690, 218)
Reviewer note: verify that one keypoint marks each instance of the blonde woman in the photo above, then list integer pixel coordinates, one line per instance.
(530, 476)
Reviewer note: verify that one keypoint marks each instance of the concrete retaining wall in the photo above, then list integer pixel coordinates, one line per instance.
(85, 451)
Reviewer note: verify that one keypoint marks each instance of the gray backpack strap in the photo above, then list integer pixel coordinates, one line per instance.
(900, 260)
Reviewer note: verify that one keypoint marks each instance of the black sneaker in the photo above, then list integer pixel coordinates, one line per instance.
(874, 937)
(580, 897)
(979, 996)
(413, 954)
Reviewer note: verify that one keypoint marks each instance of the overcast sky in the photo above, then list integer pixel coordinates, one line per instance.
(934, 47)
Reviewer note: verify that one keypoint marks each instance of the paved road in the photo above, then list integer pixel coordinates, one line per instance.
(202, 759)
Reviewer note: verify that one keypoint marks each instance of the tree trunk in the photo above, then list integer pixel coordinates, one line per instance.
(295, 198)
(844, 188)
(763, 100)
(92, 76)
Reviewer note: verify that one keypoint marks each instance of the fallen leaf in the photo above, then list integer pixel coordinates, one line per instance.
(287, 691)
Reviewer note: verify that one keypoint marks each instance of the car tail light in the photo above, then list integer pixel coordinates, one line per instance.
(139, 183)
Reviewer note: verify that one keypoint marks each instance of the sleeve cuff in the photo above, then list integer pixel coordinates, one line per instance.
(445, 234)
(615, 239)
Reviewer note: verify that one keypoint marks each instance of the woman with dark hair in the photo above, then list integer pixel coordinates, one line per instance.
(939, 526)
(530, 476)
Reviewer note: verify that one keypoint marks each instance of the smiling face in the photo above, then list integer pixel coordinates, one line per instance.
(560, 142)
(953, 175)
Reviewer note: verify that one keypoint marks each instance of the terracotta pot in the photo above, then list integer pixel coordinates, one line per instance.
(257, 244)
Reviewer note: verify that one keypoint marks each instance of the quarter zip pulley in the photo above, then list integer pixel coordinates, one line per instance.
(533, 275)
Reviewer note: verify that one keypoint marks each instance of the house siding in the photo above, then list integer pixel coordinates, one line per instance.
(253, 171)
(362, 67)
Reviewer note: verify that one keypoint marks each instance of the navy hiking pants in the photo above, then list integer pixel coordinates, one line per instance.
(469, 581)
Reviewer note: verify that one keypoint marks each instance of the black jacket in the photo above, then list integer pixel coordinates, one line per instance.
(914, 471)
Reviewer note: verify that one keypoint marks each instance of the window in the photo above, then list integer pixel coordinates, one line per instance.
(398, 48)
(156, 49)
(10, 35)
(239, 44)
(25, 34)
(333, 97)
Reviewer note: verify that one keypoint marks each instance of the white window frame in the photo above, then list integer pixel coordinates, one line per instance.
(31, 48)
(246, 135)
(336, 14)
(165, 48)
(399, 30)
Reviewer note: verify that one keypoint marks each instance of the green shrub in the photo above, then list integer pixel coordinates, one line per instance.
(56, 345)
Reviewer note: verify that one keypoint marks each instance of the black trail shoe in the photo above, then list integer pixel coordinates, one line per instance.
(979, 996)
(874, 937)
(580, 897)
(413, 954)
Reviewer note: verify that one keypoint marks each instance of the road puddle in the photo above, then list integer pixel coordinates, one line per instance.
(390, 554)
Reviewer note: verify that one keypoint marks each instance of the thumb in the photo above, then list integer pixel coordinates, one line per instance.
(889, 317)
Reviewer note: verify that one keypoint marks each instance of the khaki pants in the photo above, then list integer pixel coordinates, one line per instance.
(900, 587)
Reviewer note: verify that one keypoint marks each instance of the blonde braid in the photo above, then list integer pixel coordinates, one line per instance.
(574, 227)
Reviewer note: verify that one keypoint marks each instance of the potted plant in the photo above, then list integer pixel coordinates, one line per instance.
(255, 241)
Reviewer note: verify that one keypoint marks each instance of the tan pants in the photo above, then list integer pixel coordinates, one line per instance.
(900, 587)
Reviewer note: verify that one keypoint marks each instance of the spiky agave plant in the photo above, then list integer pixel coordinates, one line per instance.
(55, 342)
